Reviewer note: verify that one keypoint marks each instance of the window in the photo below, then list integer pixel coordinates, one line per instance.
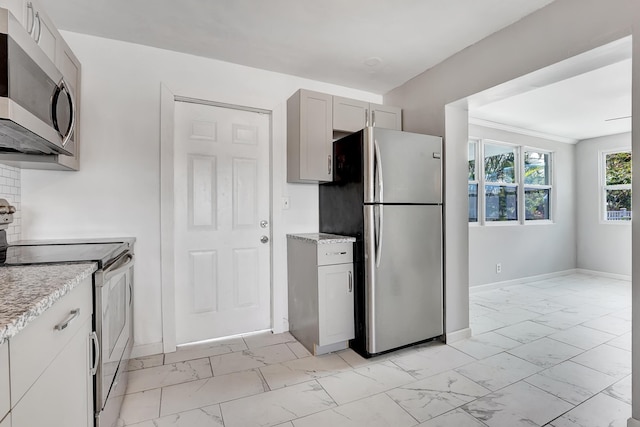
(500, 186)
(511, 184)
(617, 186)
(537, 185)
(473, 181)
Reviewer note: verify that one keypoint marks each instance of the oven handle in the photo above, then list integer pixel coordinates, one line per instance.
(96, 352)
(129, 263)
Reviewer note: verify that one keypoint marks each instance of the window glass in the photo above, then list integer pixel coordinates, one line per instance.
(501, 203)
(473, 202)
(499, 164)
(472, 160)
(536, 168)
(536, 203)
(618, 168)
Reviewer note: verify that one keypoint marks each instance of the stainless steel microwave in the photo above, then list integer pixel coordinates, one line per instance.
(37, 106)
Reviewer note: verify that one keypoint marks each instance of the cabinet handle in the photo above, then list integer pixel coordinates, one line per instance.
(373, 118)
(350, 282)
(33, 21)
(329, 165)
(366, 117)
(39, 27)
(63, 325)
(335, 253)
(96, 353)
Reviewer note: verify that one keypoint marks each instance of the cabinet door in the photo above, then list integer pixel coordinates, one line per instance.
(349, 115)
(45, 33)
(62, 394)
(386, 116)
(309, 137)
(335, 303)
(316, 148)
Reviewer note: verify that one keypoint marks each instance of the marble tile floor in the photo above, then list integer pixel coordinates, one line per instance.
(551, 353)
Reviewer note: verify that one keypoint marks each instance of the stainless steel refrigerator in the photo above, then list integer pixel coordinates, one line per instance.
(387, 192)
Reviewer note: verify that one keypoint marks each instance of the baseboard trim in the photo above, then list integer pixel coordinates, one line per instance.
(632, 422)
(520, 281)
(459, 335)
(604, 274)
(143, 350)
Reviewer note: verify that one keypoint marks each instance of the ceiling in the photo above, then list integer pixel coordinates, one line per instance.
(372, 45)
(589, 105)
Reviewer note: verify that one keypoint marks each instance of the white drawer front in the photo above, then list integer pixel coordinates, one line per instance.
(336, 253)
(33, 349)
(4, 380)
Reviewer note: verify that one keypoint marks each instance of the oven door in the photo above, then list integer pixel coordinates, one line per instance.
(113, 324)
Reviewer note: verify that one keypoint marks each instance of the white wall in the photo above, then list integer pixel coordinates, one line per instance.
(531, 249)
(117, 190)
(601, 246)
(552, 34)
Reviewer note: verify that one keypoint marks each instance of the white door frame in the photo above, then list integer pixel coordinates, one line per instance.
(167, 238)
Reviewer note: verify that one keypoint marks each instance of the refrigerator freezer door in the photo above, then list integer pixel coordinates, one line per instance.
(407, 167)
(403, 277)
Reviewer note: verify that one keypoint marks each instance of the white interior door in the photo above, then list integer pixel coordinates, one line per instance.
(221, 217)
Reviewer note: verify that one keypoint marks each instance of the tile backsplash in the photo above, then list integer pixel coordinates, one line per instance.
(10, 189)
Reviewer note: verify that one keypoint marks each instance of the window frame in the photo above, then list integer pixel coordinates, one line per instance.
(476, 182)
(602, 184)
(484, 184)
(519, 153)
(549, 186)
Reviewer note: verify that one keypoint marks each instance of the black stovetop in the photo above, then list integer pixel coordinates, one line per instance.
(102, 251)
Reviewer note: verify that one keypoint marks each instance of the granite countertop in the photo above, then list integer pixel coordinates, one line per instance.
(322, 238)
(28, 291)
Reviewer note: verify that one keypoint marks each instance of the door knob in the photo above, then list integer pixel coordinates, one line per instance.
(264, 223)
(264, 239)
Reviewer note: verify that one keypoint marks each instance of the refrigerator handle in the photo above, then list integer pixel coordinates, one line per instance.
(380, 228)
(379, 197)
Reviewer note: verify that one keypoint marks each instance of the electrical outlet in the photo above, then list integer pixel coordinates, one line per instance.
(498, 268)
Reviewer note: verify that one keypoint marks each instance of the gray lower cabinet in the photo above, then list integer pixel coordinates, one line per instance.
(320, 277)
(50, 365)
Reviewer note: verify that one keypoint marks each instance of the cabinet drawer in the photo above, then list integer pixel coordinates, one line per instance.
(34, 348)
(4, 380)
(336, 253)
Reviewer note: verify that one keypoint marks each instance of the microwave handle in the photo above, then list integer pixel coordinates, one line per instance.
(62, 86)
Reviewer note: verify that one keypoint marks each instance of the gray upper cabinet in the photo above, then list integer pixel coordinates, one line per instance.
(386, 116)
(315, 119)
(351, 115)
(309, 137)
